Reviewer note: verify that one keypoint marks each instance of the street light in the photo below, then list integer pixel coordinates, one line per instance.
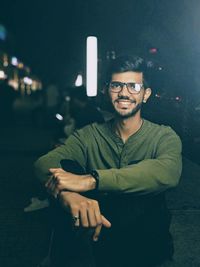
(91, 66)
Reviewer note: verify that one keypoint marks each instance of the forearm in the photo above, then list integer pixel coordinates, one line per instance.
(151, 175)
(145, 177)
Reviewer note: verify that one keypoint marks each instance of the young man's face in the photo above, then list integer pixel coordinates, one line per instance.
(125, 103)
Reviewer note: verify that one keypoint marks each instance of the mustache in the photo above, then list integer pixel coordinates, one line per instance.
(125, 98)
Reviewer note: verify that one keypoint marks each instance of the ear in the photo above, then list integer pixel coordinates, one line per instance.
(147, 94)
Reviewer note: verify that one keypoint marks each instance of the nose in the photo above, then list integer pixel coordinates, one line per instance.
(124, 90)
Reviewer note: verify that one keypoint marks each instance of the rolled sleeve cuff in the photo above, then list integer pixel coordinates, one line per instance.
(107, 180)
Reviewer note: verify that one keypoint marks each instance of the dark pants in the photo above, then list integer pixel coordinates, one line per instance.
(139, 235)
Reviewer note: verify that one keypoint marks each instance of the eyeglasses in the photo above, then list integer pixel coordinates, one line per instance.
(133, 88)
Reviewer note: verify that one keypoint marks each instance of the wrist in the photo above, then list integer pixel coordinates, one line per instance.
(95, 176)
(63, 192)
(91, 183)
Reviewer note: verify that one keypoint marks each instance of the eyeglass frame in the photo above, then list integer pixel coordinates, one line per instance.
(121, 85)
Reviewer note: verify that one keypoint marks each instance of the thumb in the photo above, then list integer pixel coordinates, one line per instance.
(52, 170)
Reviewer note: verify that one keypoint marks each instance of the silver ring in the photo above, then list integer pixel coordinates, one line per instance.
(75, 218)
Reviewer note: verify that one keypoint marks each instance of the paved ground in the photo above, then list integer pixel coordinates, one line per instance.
(24, 237)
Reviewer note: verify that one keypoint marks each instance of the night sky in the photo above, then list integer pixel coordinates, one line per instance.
(50, 36)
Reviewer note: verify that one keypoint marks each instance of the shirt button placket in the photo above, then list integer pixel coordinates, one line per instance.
(123, 158)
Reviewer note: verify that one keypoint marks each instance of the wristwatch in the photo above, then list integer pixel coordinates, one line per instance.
(96, 177)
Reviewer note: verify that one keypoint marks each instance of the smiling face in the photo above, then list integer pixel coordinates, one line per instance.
(124, 103)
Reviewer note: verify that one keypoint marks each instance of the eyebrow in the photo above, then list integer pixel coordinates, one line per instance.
(127, 82)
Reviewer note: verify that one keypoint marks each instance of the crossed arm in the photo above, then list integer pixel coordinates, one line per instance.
(85, 212)
(147, 176)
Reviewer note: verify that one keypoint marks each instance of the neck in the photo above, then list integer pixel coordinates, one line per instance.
(127, 127)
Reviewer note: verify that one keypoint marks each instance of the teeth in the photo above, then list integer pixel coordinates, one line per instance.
(124, 102)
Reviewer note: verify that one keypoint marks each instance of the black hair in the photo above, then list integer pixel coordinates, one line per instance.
(128, 63)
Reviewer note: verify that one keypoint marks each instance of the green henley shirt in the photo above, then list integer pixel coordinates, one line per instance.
(148, 162)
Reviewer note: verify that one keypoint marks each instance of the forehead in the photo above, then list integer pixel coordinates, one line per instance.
(129, 76)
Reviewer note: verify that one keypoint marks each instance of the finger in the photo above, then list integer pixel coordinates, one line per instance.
(59, 182)
(52, 187)
(56, 170)
(97, 232)
(105, 222)
(53, 178)
(49, 184)
(49, 180)
(91, 217)
(55, 185)
(84, 217)
(98, 215)
(55, 190)
(52, 170)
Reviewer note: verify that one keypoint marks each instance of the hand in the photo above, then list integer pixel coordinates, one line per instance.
(61, 179)
(86, 211)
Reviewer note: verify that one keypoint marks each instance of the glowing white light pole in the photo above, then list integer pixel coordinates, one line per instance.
(91, 66)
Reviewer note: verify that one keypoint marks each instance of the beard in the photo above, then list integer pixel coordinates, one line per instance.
(125, 115)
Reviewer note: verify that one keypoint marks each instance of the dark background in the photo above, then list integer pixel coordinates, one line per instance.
(49, 37)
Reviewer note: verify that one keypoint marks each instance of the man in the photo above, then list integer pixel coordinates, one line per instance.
(128, 164)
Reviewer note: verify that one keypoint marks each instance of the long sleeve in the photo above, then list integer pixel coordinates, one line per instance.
(73, 149)
(149, 175)
(157, 149)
